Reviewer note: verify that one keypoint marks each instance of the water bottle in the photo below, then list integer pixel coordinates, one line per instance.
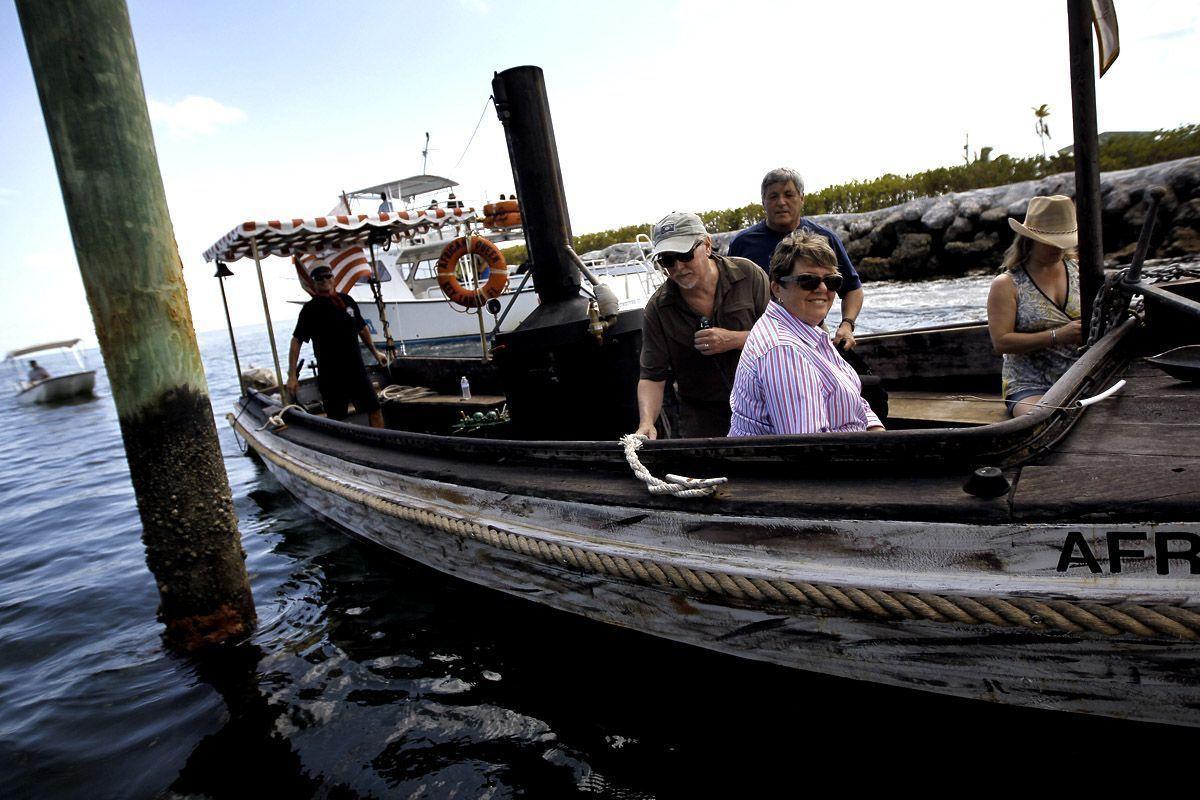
(466, 388)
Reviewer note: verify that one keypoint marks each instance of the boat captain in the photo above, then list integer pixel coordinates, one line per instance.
(333, 322)
(37, 373)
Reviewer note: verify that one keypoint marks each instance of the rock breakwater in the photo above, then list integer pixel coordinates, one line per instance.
(964, 232)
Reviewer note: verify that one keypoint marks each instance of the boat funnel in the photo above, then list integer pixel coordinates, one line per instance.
(524, 111)
(561, 379)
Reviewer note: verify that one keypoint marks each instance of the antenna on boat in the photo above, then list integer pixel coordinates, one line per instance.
(425, 154)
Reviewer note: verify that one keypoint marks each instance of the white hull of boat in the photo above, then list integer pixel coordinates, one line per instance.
(435, 319)
(438, 320)
(59, 388)
(608, 564)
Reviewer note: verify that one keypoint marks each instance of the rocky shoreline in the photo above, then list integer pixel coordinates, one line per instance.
(965, 232)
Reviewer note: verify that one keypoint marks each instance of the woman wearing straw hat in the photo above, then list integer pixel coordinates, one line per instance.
(1033, 307)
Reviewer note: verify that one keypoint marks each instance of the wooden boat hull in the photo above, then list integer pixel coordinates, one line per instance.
(855, 555)
(976, 611)
(59, 388)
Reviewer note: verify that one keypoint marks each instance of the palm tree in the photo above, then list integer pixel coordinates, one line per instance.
(1042, 129)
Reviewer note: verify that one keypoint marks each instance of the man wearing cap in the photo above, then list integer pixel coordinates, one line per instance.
(333, 322)
(783, 204)
(694, 327)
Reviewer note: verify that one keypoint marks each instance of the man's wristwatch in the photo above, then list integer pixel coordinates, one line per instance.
(846, 320)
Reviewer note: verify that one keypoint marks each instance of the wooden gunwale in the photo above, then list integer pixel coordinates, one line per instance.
(774, 487)
(1005, 444)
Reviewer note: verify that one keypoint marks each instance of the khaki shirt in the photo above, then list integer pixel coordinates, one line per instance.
(669, 350)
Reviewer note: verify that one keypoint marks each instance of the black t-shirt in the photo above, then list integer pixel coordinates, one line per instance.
(333, 332)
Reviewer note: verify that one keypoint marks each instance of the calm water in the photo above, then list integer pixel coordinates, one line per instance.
(371, 677)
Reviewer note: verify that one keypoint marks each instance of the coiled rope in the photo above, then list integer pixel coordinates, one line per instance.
(395, 392)
(275, 421)
(676, 485)
(1132, 619)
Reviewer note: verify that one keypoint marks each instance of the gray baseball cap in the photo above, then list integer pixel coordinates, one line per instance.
(677, 232)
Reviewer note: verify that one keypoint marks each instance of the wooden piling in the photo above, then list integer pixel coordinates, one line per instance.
(89, 83)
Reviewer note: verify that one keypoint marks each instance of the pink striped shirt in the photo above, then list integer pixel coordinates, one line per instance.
(791, 379)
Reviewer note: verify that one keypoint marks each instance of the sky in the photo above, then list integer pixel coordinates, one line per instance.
(264, 110)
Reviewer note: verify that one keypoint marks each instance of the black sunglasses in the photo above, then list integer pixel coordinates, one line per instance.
(807, 281)
(324, 276)
(667, 260)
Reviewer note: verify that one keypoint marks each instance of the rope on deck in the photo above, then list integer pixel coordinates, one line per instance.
(275, 421)
(1130, 619)
(676, 485)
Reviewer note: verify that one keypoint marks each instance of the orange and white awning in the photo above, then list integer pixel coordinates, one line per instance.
(322, 235)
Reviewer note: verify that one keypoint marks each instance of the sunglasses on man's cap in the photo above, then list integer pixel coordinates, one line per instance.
(807, 281)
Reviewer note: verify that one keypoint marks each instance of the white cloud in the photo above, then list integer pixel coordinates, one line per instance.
(194, 116)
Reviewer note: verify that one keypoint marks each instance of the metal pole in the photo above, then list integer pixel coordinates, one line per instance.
(237, 364)
(262, 287)
(515, 296)
(1087, 155)
(90, 87)
(479, 309)
(377, 291)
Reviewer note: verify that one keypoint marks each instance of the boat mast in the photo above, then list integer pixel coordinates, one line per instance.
(1087, 156)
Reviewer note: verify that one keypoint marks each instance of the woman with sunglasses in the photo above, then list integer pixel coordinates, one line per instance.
(790, 378)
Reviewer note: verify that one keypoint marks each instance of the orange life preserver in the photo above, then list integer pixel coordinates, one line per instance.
(502, 214)
(447, 271)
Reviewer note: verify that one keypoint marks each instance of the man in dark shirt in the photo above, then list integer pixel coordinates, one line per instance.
(783, 204)
(333, 322)
(694, 327)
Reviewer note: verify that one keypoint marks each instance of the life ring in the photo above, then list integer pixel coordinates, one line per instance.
(447, 271)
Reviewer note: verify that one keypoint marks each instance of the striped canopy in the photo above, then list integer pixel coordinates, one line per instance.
(330, 233)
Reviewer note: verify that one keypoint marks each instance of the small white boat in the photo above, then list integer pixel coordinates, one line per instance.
(53, 388)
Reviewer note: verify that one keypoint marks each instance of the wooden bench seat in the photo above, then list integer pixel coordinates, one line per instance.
(944, 409)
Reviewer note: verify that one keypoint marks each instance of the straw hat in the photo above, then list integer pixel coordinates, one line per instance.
(1050, 220)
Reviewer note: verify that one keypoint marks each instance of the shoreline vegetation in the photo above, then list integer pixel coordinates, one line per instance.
(966, 243)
